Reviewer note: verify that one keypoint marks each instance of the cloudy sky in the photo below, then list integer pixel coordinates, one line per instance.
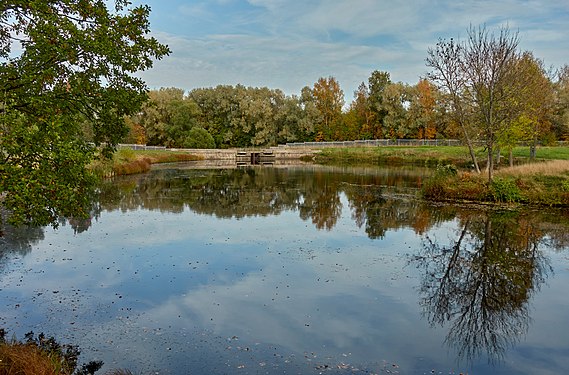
(289, 44)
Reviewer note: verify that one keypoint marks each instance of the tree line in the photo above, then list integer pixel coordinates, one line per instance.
(481, 90)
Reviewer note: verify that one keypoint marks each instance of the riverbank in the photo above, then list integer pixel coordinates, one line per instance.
(126, 161)
(543, 182)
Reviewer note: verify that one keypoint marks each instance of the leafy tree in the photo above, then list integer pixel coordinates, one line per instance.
(198, 138)
(167, 117)
(423, 109)
(63, 64)
(396, 100)
(310, 114)
(136, 133)
(561, 104)
(530, 108)
(217, 107)
(377, 83)
(290, 118)
(362, 114)
(329, 100)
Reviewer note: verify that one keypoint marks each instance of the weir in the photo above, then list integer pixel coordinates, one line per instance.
(255, 157)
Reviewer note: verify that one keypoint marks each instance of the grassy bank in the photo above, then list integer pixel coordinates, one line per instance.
(427, 155)
(544, 183)
(127, 161)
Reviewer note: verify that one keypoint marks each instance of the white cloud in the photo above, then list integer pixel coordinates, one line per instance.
(290, 44)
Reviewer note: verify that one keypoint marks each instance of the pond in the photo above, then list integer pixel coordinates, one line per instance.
(299, 270)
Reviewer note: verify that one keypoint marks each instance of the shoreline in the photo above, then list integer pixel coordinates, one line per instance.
(535, 183)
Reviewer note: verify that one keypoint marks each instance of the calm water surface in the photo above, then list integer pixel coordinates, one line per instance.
(298, 270)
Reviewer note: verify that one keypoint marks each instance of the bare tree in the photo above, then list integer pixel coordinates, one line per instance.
(487, 62)
(447, 74)
(476, 74)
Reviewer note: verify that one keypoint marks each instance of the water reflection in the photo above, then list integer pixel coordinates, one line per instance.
(314, 194)
(301, 259)
(481, 282)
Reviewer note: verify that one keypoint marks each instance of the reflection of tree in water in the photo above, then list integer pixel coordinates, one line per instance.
(19, 240)
(321, 201)
(481, 283)
(315, 193)
(378, 213)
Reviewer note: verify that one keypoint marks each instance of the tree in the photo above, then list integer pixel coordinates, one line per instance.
(477, 75)
(447, 73)
(530, 108)
(396, 100)
(377, 83)
(198, 138)
(167, 117)
(423, 109)
(329, 100)
(362, 114)
(63, 64)
(488, 66)
(561, 104)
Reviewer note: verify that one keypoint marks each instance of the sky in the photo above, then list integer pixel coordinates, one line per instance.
(289, 44)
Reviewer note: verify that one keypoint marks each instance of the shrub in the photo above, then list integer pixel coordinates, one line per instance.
(199, 138)
(505, 190)
(446, 170)
(435, 187)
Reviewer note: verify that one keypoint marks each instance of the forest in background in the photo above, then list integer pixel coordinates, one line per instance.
(237, 116)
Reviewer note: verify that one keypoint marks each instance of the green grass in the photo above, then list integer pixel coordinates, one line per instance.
(428, 155)
(545, 153)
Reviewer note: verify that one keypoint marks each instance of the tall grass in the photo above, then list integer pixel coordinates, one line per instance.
(548, 168)
(22, 359)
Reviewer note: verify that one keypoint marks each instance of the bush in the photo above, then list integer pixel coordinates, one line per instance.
(199, 138)
(505, 190)
(446, 170)
(436, 187)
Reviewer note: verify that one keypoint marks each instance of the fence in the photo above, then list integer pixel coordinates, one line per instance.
(379, 142)
(359, 143)
(140, 147)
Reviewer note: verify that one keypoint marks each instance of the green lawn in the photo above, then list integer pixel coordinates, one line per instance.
(429, 155)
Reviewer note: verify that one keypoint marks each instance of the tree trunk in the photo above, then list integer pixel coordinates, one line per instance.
(498, 156)
(470, 149)
(533, 149)
(490, 162)
(511, 157)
